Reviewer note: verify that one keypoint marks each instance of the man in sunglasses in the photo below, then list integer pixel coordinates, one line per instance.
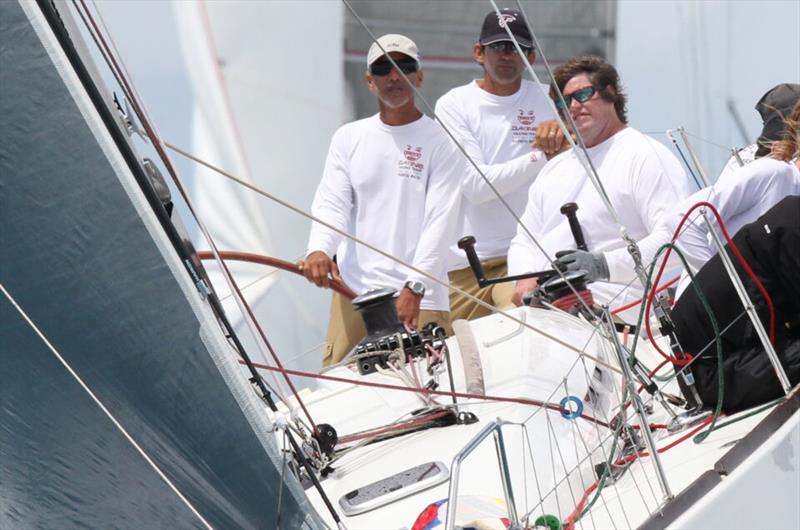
(390, 180)
(504, 124)
(642, 178)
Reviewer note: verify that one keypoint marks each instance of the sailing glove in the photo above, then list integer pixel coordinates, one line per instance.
(594, 264)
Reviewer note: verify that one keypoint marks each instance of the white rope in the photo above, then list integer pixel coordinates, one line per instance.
(108, 413)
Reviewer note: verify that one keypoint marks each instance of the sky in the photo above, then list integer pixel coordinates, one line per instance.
(682, 62)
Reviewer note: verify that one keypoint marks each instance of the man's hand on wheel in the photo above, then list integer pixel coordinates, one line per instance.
(319, 269)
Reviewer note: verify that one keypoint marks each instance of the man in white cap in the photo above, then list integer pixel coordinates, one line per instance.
(391, 180)
(504, 123)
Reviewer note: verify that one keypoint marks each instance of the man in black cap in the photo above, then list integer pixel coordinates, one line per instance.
(774, 107)
(504, 124)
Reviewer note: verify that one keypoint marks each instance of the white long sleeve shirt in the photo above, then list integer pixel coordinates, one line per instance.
(741, 197)
(396, 188)
(497, 133)
(644, 181)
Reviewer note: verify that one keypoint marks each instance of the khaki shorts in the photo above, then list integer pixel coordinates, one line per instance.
(346, 328)
(499, 295)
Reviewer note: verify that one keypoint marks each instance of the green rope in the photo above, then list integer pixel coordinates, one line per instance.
(717, 339)
(632, 359)
(744, 416)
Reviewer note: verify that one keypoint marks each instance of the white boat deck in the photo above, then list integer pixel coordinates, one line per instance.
(542, 446)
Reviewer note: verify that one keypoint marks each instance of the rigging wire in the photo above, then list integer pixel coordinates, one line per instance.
(706, 140)
(239, 298)
(725, 148)
(528, 66)
(243, 305)
(102, 406)
(735, 250)
(120, 74)
(688, 166)
(581, 509)
(495, 6)
(586, 160)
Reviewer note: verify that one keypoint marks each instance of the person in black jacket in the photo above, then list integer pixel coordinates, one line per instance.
(771, 246)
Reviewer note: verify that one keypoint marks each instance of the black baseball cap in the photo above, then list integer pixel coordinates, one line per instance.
(775, 106)
(494, 28)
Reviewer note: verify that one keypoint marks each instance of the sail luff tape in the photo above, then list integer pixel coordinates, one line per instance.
(473, 370)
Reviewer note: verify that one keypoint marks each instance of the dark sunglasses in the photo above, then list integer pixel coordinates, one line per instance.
(382, 67)
(507, 46)
(581, 96)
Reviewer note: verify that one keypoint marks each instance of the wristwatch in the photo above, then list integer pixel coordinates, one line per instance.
(418, 288)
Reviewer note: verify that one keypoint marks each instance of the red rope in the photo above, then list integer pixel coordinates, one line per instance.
(655, 370)
(733, 248)
(579, 508)
(567, 302)
(429, 392)
(630, 458)
(639, 301)
(391, 428)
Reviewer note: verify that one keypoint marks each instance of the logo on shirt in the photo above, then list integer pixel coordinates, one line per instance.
(526, 118)
(523, 131)
(412, 154)
(410, 167)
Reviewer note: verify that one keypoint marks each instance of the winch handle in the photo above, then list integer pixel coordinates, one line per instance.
(467, 244)
(569, 210)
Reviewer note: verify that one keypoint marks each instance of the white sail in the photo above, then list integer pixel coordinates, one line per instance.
(265, 116)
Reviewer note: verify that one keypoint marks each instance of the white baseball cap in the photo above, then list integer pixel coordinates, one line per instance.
(392, 43)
